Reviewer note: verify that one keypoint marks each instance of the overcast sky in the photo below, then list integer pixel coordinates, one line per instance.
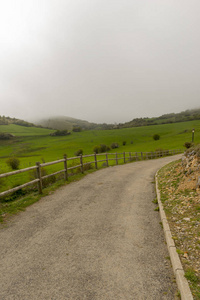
(99, 60)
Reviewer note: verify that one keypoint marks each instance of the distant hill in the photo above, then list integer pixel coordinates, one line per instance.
(68, 123)
(7, 120)
(63, 122)
(187, 115)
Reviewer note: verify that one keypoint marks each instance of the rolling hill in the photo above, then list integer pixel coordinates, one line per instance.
(63, 122)
(68, 123)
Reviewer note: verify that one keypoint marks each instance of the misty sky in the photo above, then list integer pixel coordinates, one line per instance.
(99, 60)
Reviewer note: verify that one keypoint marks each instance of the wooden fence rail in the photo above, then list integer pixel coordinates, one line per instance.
(125, 156)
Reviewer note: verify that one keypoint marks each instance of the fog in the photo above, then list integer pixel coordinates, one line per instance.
(99, 60)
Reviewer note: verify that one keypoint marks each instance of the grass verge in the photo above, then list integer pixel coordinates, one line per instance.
(14, 204)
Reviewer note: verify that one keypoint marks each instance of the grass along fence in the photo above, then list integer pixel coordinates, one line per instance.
(78, 163)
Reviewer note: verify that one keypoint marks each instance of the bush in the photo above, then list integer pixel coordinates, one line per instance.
(101, 149)
(104, 148)
(87, 167)
(13, 162)
(46, 181)
(188, 145)
(60, 133)
(6, 136)
(79, 152)
(77, 129)
(74, 163)
(114, 145)
(13, 196)
(156, 137)
(96, 149)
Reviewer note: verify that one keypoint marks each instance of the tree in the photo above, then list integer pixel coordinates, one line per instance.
(156, 137)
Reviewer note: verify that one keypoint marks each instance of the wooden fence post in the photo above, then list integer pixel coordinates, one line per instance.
(81, 162)
(141, 156)
(39, 177)
(95, 159)
(124, 157)
(136, 156)
(65, 167)
(130, 156)
(107, 159)
(116, 159)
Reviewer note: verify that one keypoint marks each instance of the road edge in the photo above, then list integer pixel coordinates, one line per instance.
(179, 273)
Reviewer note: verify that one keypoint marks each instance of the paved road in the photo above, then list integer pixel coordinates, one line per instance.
(98, 238)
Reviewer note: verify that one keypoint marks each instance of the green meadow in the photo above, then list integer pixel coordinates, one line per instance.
(35, 144)
(32, 144)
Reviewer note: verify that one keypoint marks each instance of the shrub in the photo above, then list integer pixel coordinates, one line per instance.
(101, 149)
(156, 137)
(14, 195)
(96, 149)
(104, 148)
(60, 133)
(13, 162)
(74, 163)
(114, 145)
(188, 145)
(87, 167)
(77, 129)
(6, 136)
(79, 152)
(46, 181)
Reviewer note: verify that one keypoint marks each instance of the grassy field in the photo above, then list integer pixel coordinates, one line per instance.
(32, 144)
(35, 144)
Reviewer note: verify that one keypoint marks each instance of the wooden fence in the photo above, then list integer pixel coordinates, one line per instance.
(125, 157)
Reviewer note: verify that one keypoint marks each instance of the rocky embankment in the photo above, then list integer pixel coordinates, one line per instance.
(191, 170)
(179, 183)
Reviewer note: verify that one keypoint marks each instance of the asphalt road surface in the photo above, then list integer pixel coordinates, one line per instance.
(98, 238)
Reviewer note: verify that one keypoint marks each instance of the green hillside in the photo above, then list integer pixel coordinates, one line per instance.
(31, 145)
(35, 144)
(62, 123)
(17, 130)
(7, 120)
(185, 116)
(68, 123)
